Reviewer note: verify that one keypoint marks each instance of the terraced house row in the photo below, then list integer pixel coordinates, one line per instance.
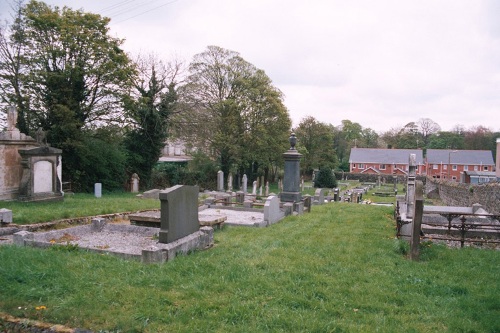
(466, 166)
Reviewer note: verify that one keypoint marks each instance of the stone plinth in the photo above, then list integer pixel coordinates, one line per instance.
(291, 179)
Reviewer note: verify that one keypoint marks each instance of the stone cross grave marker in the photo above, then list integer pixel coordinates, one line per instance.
(179, 212)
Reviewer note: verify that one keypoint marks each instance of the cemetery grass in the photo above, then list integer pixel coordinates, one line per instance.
(337, 269)
(78, 205)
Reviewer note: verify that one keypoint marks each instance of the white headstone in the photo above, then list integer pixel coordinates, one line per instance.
(245, 183)
(98, 190)
(254, 188)
(272, 212)
(220, 181)
(230, 182)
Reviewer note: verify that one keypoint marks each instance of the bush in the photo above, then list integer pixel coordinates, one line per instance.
(325, 179)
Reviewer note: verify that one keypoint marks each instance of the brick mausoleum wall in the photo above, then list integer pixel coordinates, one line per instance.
(465, 195)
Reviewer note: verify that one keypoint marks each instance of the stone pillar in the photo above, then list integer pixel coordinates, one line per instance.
(410, 191)
(220, 181)
(291, 179)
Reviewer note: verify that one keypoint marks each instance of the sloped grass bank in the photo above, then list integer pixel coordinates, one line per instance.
(337, 269)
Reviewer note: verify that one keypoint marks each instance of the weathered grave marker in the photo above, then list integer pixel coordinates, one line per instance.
(220, 181)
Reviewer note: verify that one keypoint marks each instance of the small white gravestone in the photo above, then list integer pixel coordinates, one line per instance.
(254, 188)
(220, 181)
(98, 190)
(134, 183)
(245, 183)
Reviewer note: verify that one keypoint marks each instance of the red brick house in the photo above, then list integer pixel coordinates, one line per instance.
(384, 161)
(451, 164)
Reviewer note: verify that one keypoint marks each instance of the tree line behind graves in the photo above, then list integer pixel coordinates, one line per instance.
(111, 115)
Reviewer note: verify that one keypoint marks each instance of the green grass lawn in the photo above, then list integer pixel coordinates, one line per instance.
(77, 205)
(337, 269)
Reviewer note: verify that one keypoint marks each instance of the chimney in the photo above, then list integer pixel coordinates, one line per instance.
(498, 160)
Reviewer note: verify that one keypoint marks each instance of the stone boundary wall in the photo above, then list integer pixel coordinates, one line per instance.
(465, 195)
(372, 178)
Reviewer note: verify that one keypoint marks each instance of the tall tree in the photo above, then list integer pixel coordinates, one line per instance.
(149, 106)
(72, 72)
(427, 128)
(317, 139)
(233, 110)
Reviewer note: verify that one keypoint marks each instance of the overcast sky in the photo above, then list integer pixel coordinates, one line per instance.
(379, 63)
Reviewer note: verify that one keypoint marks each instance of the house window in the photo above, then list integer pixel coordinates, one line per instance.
(434, 166)
(476, 168)
(466, 168)
(485, 168)
(454, 167)
(382, 166)
(445, 167)
(361, 166)
(454, 178)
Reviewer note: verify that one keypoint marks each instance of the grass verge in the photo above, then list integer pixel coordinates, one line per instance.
(337, 269)
(77, 205)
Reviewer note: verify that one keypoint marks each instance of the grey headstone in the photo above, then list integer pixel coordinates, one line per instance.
(254, 188)
(179, 212)
(319, 196)
(272, 212)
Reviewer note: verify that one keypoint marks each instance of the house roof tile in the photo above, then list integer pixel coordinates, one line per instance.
(384, 156)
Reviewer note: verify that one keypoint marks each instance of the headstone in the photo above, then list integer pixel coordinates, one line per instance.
(220, 181)
(240, 197)
(179, 212)
(11, 118)
(260, 190)
(302, 184)
(319, 196)
(254, 188)
(280, 185)
(272, 212)
(378, 181)
(307, 202)
(98, 190)
(245, 184)
(134, 183)
(230, 182)
(267, 189)
(5, 215)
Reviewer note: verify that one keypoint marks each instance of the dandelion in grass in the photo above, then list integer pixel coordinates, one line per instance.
(41, 307)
